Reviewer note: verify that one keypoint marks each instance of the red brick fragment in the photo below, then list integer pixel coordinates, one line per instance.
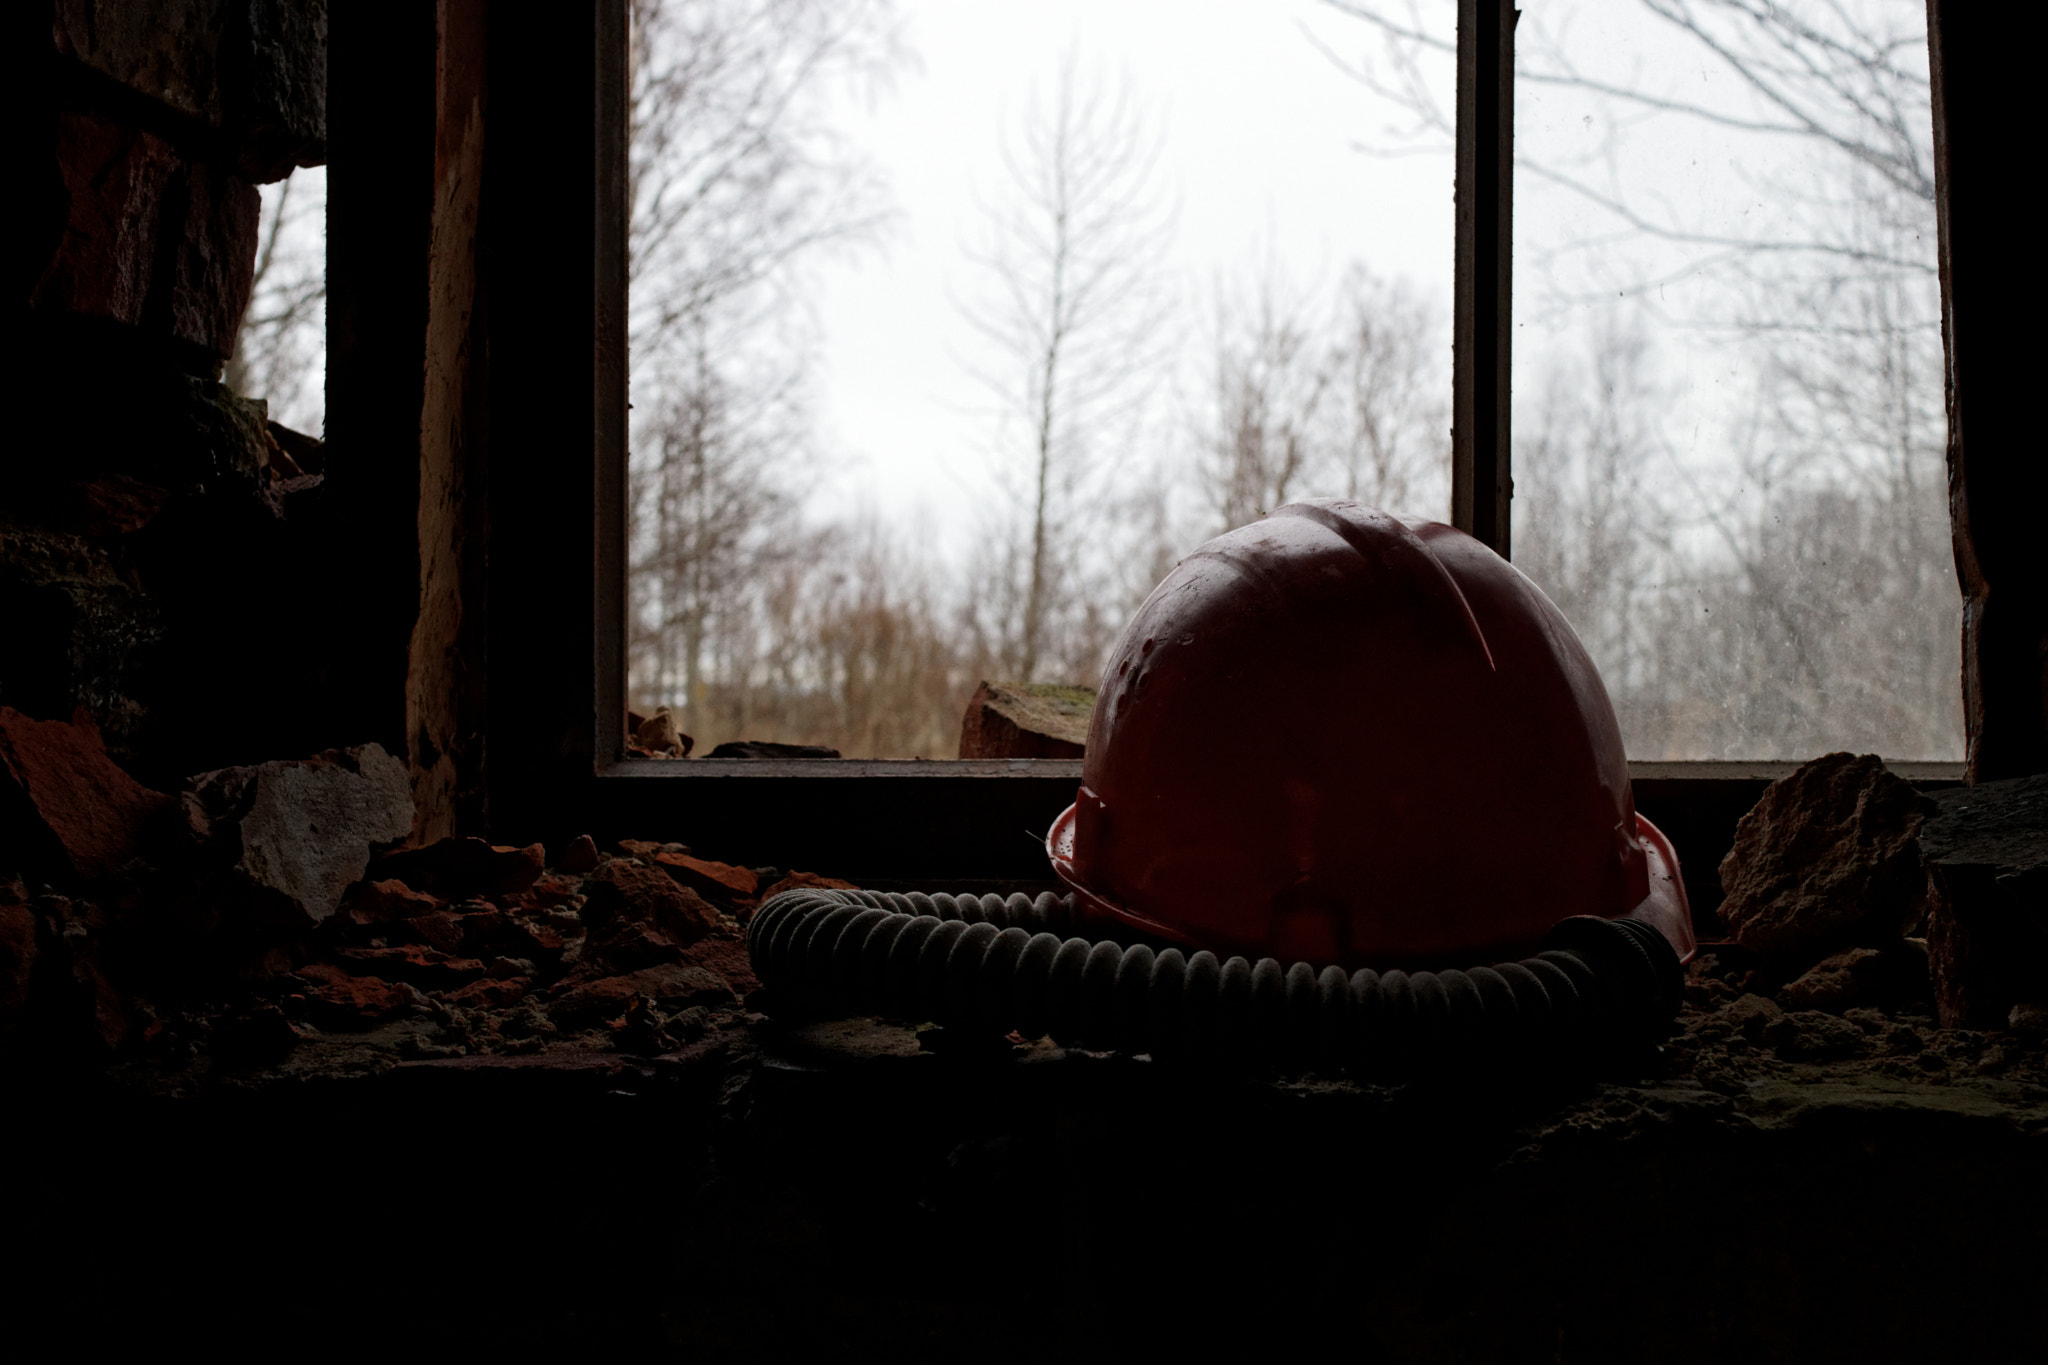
(322, 974)
(528, 939)
(98, 814)
(390, 899)
(440, 930)
(627, 890)
(359, 1002)
(675, 985)
(1026, 720)
(426, 967)
(728, 958)
(628, 947)
(462, 868)
(552, 890)
(721, 881)
(482, 929)
(580, 857)
(489, 993)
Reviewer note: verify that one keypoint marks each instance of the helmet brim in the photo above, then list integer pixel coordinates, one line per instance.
(1665, 909)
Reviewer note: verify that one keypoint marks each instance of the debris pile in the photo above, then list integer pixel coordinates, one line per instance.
(1848, 890)
(270, 916)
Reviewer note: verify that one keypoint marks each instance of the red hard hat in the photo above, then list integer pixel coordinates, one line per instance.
(1338, 736)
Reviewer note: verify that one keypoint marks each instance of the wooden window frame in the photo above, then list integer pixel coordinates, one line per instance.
(557, 519)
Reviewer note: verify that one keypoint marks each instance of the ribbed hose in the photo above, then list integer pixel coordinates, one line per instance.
(985, 963)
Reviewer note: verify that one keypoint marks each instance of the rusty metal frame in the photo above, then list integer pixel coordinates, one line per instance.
(558, 522)
(1482, 474)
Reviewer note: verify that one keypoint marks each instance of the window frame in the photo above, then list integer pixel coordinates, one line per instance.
(556, 478)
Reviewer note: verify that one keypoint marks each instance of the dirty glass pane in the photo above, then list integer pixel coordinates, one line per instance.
(1728, 422)
(281, 350)
(900, 425)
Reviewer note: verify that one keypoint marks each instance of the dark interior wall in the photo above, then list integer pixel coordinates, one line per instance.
(159, 552)
(1986, 62)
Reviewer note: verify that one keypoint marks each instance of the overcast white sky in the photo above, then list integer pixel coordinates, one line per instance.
(1258, 129)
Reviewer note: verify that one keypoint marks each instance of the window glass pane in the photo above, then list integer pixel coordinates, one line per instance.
(281, 350)
(954, 325)
(1728, 420)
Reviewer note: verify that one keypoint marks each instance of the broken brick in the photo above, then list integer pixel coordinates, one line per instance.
(720, 881)
(642, 1029)
(529, 940)
(483, 931)
(623, 889)
(358, 1002)
(439, 930)
(674, 985)
(489, 993)
(429, 968)
(1026, 720)
(629, 946)
(461, 868)
(579, 857)
(646, 848)
(99, 816)
(551, 891)
(380, 901)
(727, 957)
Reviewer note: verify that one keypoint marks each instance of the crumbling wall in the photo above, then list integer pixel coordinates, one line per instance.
(161, 541)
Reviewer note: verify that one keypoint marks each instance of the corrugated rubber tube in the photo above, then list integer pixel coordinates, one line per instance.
(996, 965)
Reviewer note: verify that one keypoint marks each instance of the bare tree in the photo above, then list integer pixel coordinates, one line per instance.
(1343, 395)
(1396, 384)
(280, 348)
(1275, 384)
(1597, 535)
(713, 509)
(1779, 556)
(734, 171)
(735, 179)
(1074, 304)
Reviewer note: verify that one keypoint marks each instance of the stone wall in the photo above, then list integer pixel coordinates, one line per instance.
(157, 534)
